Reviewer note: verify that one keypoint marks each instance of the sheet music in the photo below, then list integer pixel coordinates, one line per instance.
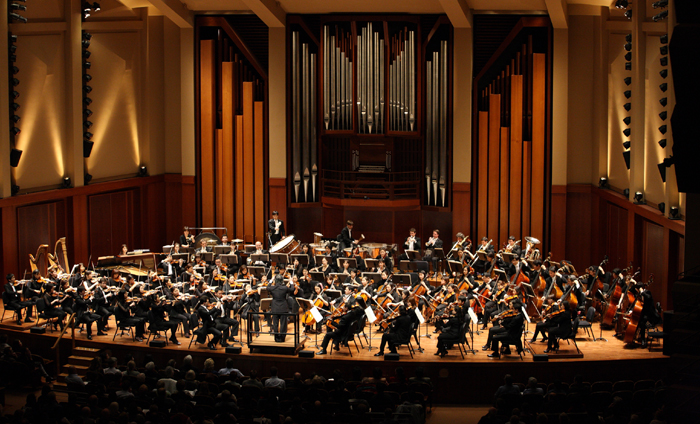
(472, 315)
(419, 315)
(527, 317)
(370, 315)
(316, 314)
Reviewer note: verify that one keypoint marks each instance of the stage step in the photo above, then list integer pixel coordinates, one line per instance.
(79, 360)
(81, 370)
(87, 350)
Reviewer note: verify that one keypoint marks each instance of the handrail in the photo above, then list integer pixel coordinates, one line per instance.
(63, 331)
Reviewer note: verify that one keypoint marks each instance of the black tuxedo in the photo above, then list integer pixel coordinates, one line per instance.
(279, 305)
(275, 237)
(13, 301)
(209, 325)
(345, 239)
(429, 253)
(406, 246)
(184, 241)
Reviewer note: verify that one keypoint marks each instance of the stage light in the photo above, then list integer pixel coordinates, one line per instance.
(603, 183)
(87, 88)
(17, 17)
(96, 7)
(628, 56)
(15, 6)
(628, 47)
(87, 178)
(663, 115)
(639, 198)
(87, 101)
(662, 143)
(626, 156)
(662, 129)
(626, 193)
(628, 14)
(627, 120)
(626, 144)
(663, 50)
(143, 171)
(664, 39)
(13, 48)
(87, 7)
(621, 4)
(86, 44)
(87, 124)
(87, 77)
(664, 61)
(627, 106)
(660, 3)
(628, 66)
(15, 131)
(86, 54)
(66, 182)
(86, 35)
(628, 94)
(15, 82)
(15, 94)
(661, 16)
(674, 213)
(626, 132)
(87, 135)
(663, 101)
(13, 58)
(662, 206)
(87, 64)
(663, 73)
(15, 70)
(87, 148)
(628, 80)
(15, 106)
(87, 113)
(663, 87)
(15, 189)
(628, 37)
(15, 155)
(15, 118)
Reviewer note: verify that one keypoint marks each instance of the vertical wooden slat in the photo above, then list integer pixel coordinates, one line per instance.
(240, 228)
(260, 227)
(248, 163)
(527, 193)
(494, 157)
(219, 178)
(227, 157)
(505, 181)
(482, 177)
(207, 128)
(538, 134)
(516, 153)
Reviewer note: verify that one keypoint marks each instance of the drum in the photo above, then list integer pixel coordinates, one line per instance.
(319, 251)
(374, 248)
(211, 238)
(318, 237)
(364, 253)
(287, 245)
(348, 252)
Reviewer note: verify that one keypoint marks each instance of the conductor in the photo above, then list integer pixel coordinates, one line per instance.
(279, 292)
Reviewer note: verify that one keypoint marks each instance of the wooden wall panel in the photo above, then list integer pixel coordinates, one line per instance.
(248, 164)
(539, 75)
(579, 210)
(227, 157)
(653, 261)
(259, 178)
(278, 200)
(110, 220)
(219, 178)
(482, 175)
(461, 208)
(493, 166)
(39, 224)
(240, 213)
(506, 180)
(614, 233)
(189, 216)
(527, 195)
(558, 225)
(516, 155)
(207, 66)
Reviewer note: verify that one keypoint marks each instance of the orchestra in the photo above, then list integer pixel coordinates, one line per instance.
(206, 297)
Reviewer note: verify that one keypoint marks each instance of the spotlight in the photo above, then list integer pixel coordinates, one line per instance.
(15, 70)
(674, 213)
(86, 54)
(663, 50)
(662, 171)
(626, 132)
(626, 156)
(664, 39)
(143, 171)
(13, 58)
(15, 131)
(603, 183)
(15, 94)
(628, 38)
(17, 17)
(66, 182)
(663, 87)
(660, 3)
(87, 148)
(87, 178)
(663, 73)
(87, 77)
(96, 7)
(86, 44)
(662, 143)
(628, 47)
(87, 7)
(627, 106)
(15, 6)
(87, 135)
(628, 66)
(87, 113)
(664, 61)
(663, 101)
(627, 120)
(87, 124)
(15, 118)
(661, 16)
(15, 82)
(15, 189)
(626, 144)
(86, 35)
(13, 38)
(13, 48)
(87, 64)
(87, 101)
(621, 4)
(663, 115)
(628, 56)
(628, 80)
(628, 94)
(628, 14)
(639, 198)
(86, 15)
(15, 155)
(662, 129)
(15, 106)
(626, 193)
(87, 88)
(662, 207)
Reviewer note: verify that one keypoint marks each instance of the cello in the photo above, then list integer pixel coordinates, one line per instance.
(614, 301)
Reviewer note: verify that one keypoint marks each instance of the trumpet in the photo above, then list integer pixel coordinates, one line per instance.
(430, 241)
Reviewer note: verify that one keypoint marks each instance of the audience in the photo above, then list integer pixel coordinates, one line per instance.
(274, 380)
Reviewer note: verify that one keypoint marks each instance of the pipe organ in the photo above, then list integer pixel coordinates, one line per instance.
(402, 84)
(370, 81)
(436, 72)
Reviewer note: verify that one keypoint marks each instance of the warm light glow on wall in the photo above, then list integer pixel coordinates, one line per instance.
(618, 176)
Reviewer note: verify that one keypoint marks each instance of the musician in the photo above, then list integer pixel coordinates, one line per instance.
(186, 239)
(208, 314)
(67, 303)
(512, 247)
(159, 322)
(33, 288)
(305, 250)
(577, 290)
(325, 267)
(433, 243)
(649, 312)
(345, 269)
(124, 250)
(179, 312)
(419, 281)
(615, 280)
(544, 325)
(306, 285)
(251, 302)
(384, 257)
(84, 316)
(78, 277)
(123, 315)
(224, 241)
(226, 306)
(358, 258)
(366, 286)
(512, 325)
(275, 227)
(487, 247)
(399, 330)
(13, 301)
(555, 278)
(450, 331)
(53, 276)
(341, 330)
(319, 296)
(115, 280)
(102, 301)
(560, 327)
(51, 310)
(332, 283)
(492, 305)
(260, 251)
(279, 292)
(467, 278)
(204, 247)
(171, 269)
(345, 237)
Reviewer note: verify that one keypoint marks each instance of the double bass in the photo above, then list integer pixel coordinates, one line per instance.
(614, 301)
(596, 286)
(635, 315)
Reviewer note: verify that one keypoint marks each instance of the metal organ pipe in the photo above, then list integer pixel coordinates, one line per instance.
(304, 144)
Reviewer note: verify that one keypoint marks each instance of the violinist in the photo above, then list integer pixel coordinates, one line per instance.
(102, 301)
(51, 310)
(358, 258)
(296, 268)
(68, 293)
(203, 290)
(53, 276)
(116, 280)
(446, 298)
(171, 269)
(189, 272)
(186, 239)
(251, 302)
(243, 273)
(412, 243)
(399, 330)
(34, 287)
(208, 313)
(143, 303)
(179, 312)
(340, 333)
(384, 257)
(84, 316)
(492, 305)
(451, 329)
(78, 277)
(510, 323)
(13, 301)
(123, 315)
(158, 321)
(306, 285)
(227, 306)
(560, 326)
(544, 325)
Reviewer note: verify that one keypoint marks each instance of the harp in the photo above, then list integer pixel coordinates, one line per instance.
(57, 260)
(38, 262)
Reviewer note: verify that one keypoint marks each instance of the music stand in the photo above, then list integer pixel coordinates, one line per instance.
(455, 266)
(439, 253)
(257, 271)
(167, 249)
(302, 258)
(351, 261)
(508, 257)
(372, 276)
(249, 248)
(402, 279)
(319, 259)
(413, 255)
(278, 258)
(318, 276)
(229, 259)
(404, 265)
(482, 255)
(222, 250)
(499, 274)
(259, 258)
(371, 263)
(178, 256)
(207, 257)
(332, 294)
(341, 277)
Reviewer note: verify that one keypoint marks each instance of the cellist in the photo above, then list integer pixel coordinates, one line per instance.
(321, 301)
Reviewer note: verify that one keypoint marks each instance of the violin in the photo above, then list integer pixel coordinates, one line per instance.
(506, 314)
